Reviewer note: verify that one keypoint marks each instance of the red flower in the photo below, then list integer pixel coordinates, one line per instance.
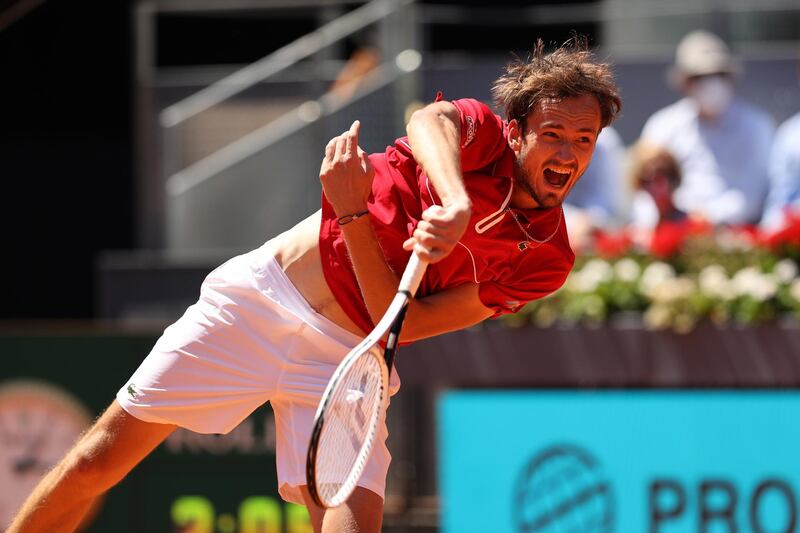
(612, 245)
(787, 237)
(669, 236)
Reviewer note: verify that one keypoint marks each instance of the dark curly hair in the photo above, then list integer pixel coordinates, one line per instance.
(570, 70)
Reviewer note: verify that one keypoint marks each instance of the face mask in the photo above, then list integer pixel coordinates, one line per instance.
(712, 94)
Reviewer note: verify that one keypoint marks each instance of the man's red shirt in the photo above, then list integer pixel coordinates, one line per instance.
(494, 252)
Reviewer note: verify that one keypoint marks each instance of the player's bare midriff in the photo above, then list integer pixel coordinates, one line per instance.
(297, 251)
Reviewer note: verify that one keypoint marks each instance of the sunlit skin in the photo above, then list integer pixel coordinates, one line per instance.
(554, 150)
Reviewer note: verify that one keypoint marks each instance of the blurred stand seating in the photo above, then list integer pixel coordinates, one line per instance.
(783, 202)
(721, 141)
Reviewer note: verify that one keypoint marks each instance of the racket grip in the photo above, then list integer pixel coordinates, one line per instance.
(412, 276)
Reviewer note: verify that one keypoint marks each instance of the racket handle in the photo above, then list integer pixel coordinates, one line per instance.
(412, 276)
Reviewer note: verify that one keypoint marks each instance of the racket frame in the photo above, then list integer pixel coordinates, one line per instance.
(391, 322)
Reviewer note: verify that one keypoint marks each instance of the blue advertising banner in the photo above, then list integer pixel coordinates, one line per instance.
(620, 461)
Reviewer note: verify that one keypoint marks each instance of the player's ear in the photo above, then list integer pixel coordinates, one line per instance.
(514, 135)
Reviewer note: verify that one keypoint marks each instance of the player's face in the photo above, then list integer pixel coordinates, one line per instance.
(554, 150)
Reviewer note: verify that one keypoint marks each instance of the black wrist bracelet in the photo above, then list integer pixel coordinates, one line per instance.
(346, 219)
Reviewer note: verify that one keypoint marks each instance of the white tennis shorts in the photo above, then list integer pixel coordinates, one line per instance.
(250, 338)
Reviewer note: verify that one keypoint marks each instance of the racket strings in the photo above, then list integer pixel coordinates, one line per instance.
(353, 415)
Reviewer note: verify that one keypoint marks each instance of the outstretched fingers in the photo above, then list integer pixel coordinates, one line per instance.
(345, 145)
(351, 139)
(330, 149)
(346, 173)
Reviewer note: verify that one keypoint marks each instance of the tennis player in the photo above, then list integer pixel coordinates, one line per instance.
(476, 196)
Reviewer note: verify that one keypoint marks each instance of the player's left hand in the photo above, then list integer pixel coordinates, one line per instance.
(346, 173)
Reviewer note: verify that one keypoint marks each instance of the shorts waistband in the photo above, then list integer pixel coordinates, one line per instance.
(286, 293)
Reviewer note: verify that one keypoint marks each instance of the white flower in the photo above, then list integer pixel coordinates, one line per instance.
(578, 282)
(599, 269)
(657, 317)
(672, 290)
(713, 281)
(594, 272)
(785, 270)
(654, 275)
(794, 290)
(627, 270)
(744, 280)
(750, 281)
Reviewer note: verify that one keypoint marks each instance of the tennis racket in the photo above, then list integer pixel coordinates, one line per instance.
(354, 403)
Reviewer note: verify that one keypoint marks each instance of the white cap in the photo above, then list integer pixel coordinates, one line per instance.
(701, 52)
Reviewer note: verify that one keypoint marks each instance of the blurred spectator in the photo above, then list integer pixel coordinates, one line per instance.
(595, 201)
(657, 225)
(364, 57)
(721, 142)
(361, 62)
(653, 175)
(784, 175)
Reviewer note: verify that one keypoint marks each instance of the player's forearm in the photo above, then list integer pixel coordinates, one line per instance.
(434, 134)
(449, 310)
(377, 281)
(443, 312)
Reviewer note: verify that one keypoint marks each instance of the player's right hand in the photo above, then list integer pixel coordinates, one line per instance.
(346, 173)
(439, 231)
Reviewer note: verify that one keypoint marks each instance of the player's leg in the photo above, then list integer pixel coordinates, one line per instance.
(216, 345)
(82, 512)
(100, 459)
(361, 513)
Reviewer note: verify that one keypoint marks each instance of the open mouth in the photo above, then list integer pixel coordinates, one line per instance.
(556, 178)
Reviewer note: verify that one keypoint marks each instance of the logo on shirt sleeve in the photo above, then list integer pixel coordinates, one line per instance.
(470, 131)
(132, 392)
